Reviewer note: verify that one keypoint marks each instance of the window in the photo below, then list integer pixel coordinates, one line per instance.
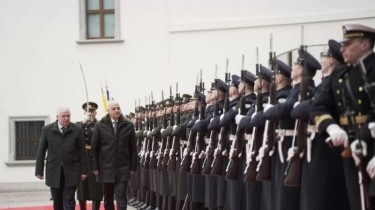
(24, 139)
(99, 21)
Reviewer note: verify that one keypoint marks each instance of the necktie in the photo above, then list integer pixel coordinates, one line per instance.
(63, 129)
(115, 127)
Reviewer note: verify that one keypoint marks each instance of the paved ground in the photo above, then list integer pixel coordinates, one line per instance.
(23, 200)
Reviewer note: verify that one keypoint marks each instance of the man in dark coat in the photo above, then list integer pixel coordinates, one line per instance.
(89, 189)
(114, 155)
(66, 162)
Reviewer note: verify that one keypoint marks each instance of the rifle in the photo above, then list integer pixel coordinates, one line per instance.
(186, 160)
(155, 139)
(221, 152)
(257, 136)
(196, 165)
(169, 137)
(164, 139)
(149, 139)
(146, 140)
(209, 159)
(172, 163)
(269, 137)
(239, 143)
(293, 170)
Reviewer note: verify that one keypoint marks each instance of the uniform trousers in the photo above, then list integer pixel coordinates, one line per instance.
(117, 189)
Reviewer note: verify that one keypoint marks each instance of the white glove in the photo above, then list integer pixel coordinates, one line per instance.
(174, 127)
(221, 116)
(338, 135)
(267, 106)
(371, 126)
(185, 152)
(357, 151)
(86, 118)
(295, 104)
(371, 168)
(162, 130)
(238, 118)
(197, 121)
(211, 119)
(291, 153)
(262, 151)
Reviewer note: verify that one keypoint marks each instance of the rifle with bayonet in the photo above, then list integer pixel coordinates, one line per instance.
(169, 131)
(257, 135)
(239, 143)
(155, 139)
(269, 137)
(148, 136)
(163, 138)
(293, 171)
(186, 159)
(173, 155)
(210, 149)
(196, 163)
(221, 152)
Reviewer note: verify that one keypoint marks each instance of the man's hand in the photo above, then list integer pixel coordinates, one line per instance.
(371, 168)
(96, 173)
(267, 106)
(359, 150)
(83, 177)
(371, 126)
(86, 118)
(238, 118)
(39, 177)
(338, 136)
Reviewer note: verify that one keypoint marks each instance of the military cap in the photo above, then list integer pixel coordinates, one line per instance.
(248, 77)
(265, 73)
(168, 102)
(220, 84)
(283, 68)
(235, 80)
(140, 109)
(186, 97)
(92, 106)
(356, 30)
(333, 51)
(212, 86)
(311, 62)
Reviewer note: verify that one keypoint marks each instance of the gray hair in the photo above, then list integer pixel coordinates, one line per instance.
(62, 109)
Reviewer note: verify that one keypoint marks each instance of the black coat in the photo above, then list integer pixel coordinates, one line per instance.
(64, 151)
(114, 156)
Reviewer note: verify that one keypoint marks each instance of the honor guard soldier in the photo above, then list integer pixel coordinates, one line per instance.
(287, 197)
(323, 182)
(344, 110)
(89, 189)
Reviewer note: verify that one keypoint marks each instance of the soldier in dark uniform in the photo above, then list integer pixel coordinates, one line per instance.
(343, 109)
(246, 87)
(135, 182)
(288, 198)
(323, 181)
(254, 190)
(198, 194)
(180, 131)
(89, 189)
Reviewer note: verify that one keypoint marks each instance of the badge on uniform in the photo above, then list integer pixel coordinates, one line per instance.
(247, 106)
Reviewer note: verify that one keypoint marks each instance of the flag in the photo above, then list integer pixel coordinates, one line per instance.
(104, 100)
(109, 98)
